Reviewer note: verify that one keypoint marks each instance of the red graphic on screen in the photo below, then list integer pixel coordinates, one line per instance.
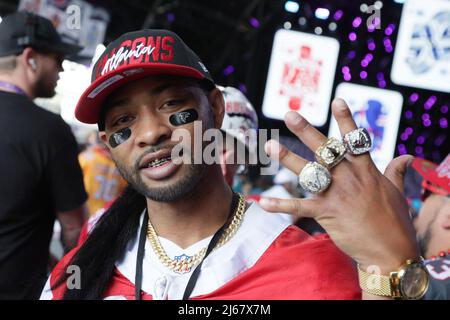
(300, 77)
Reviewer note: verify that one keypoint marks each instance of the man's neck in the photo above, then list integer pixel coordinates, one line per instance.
(196, 216)
(20, 84)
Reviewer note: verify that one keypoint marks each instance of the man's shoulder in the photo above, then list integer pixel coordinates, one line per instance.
(27, 116)
(53, 120)
(51, 128)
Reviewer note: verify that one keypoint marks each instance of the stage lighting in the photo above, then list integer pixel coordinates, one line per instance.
(292, 6)
(322, 13)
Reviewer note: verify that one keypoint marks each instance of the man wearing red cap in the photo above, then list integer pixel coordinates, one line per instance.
(179, 232)
(433, 224)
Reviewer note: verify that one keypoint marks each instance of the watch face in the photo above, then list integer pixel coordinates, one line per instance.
(414, 283)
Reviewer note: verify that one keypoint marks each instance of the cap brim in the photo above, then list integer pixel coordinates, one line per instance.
(91, 101)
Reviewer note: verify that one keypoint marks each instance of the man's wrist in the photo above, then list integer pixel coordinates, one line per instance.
(408, 281)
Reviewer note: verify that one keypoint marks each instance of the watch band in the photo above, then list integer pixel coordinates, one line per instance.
(375, 284)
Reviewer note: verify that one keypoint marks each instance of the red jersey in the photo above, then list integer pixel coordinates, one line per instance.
(267, 258)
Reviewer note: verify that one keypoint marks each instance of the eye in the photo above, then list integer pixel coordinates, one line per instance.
(122, 120)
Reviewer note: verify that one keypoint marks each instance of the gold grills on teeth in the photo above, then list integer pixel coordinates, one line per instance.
(157, 162)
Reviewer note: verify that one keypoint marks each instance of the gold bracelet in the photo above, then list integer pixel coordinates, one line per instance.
(374, 283)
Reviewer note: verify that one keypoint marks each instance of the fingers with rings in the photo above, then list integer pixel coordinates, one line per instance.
(330, 153)
(356, 140)
(313, 177)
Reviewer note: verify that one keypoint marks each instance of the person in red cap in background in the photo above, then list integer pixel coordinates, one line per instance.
(433, 224)
(433, 221)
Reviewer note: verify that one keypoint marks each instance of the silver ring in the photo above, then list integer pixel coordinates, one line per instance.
(357, 141)
(330, 153)
(314, 178)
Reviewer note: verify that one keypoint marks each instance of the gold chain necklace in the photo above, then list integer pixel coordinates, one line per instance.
(184, 263)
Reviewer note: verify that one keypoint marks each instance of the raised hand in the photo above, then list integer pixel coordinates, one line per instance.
(362, 210)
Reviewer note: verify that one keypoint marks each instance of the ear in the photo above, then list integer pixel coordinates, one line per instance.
(217, 106)
(29, 54)
(103, 138)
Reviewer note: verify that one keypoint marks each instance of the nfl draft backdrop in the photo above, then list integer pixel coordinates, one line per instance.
(392, 66)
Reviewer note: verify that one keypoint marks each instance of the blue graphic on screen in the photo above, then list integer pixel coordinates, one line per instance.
(430, 43)
(373, 118)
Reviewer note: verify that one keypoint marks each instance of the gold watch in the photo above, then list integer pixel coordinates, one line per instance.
(409, 282)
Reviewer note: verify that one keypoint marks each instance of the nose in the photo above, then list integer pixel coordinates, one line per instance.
(151, 130)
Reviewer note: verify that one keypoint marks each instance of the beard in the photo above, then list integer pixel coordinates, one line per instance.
(44, 90)
(175, 191)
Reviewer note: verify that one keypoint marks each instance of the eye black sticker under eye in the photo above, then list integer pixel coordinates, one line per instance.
(183, 117)
(119, 137)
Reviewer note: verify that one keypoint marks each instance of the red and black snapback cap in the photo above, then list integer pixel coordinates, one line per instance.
(137, 55)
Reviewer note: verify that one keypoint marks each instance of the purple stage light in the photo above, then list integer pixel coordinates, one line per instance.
(380, 76)
(440, 140)
(356, 22)
(345, 69)
(418, 150)
(347, 77)
(427, 122)
(389, 49)
(408, 114)
(409, 130)
(389, 30)
(228, 70)
(430, 102)
(425, 116)
(420, 139)
(444, 109)
(414, 97)
(338, 15)
(404, 137)
(352, 36)
(351, 54)
(401, 149)
(243, 88)
(382, 84)
(170, 17)
(363, 74)
(254, 23)
(371, 46)
(364, 63)
(443, 123)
